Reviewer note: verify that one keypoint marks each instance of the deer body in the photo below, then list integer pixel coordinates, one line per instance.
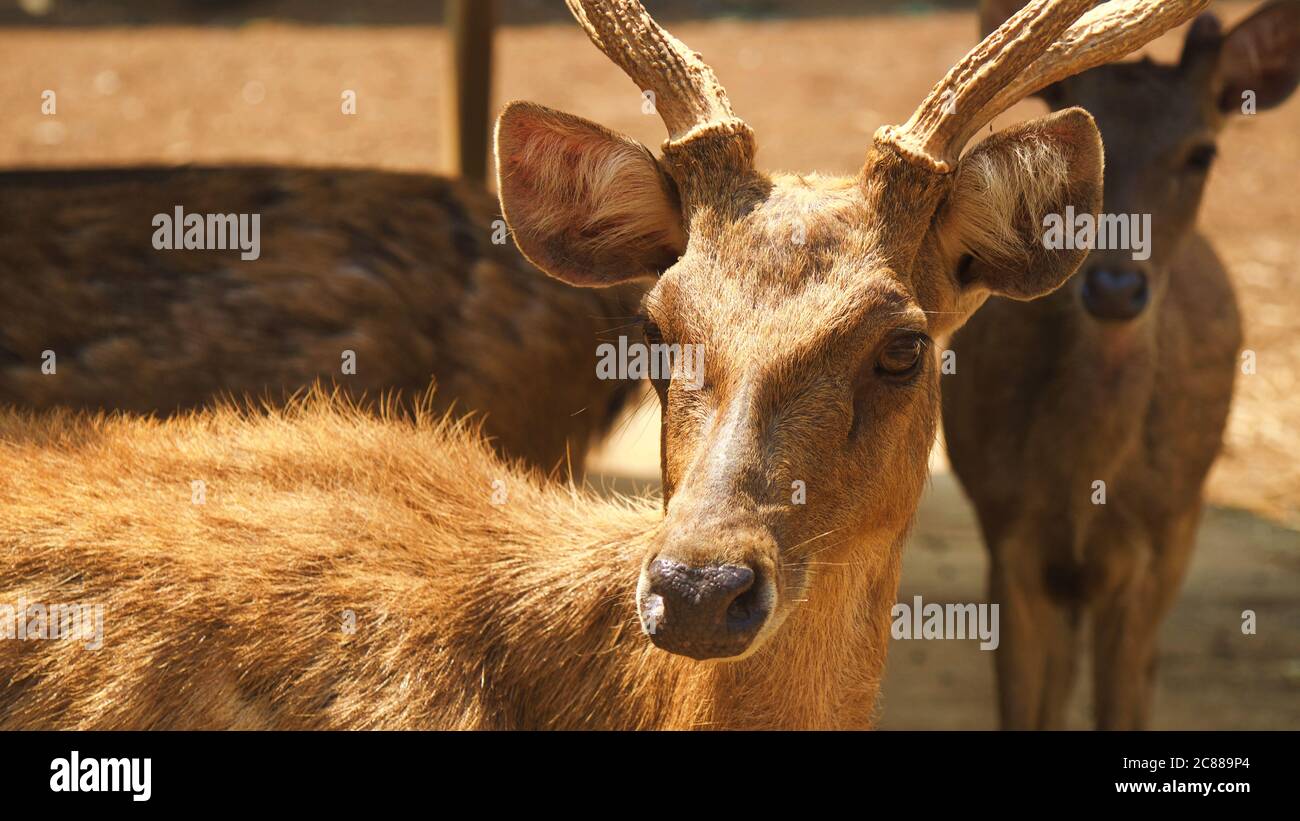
(234, 613)
(740, 605)
(1083, 424)
(1028, 439)
(401, 270)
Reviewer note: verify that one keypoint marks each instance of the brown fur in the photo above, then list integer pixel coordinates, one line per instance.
(400, 268)
(1046, 400)
(468, 614)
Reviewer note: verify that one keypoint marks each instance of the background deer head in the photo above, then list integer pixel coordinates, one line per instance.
(1160, 125)
(815, 300)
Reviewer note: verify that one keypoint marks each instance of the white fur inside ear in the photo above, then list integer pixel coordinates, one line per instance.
(994, 193)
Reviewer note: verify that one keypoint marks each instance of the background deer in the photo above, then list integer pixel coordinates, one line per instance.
(1123, 376)
(400, 269)
(525, 614)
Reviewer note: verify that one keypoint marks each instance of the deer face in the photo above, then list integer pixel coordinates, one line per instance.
(817, 374)
(814, 301)
(1160, 142)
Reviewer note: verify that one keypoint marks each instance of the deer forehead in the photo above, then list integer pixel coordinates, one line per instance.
(1145, 100)
(797, 231)
(751, 325)
(797, 274)
(811, 211)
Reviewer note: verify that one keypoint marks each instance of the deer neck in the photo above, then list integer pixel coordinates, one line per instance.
(822, 668)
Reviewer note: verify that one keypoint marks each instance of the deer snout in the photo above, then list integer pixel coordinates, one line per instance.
(704, 612)
(1115, 292)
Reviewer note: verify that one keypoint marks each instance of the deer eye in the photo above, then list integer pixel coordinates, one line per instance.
(654, 337)
(1201, 158)
(650, 330)
(901, 356)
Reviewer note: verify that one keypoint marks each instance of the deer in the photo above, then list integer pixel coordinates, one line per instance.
(1082, 424)
(722, 604)
(376, 281)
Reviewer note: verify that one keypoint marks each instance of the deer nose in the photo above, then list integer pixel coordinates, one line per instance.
(706, 612)
(1115, 293)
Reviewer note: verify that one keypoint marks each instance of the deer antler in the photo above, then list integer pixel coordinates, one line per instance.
(1034, 48)
(1106, 33)
(687, 94)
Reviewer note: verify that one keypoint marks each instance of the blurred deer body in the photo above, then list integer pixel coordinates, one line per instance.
(1083, 424)
(817, 369)
(374, 280)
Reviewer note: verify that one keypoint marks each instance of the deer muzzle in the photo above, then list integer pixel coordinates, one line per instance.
(707, 607)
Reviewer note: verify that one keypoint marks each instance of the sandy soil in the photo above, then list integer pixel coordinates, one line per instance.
(814, 88)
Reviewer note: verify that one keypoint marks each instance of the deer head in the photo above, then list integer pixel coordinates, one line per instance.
(815, 299)
(1160, 124)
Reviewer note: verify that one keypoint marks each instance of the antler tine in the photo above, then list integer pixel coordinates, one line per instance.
(687, 94)
(1106, 33)
(1032, 49)
(927, 137)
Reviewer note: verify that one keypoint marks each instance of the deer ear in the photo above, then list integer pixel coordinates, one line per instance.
(586, 205)
(1261, 54)
(1008, 190)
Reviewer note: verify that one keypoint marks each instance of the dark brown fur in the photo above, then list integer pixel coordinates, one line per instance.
(400, 268)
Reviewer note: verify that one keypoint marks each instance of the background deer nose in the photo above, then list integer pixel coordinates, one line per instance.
(713, 611)
(1114, 293)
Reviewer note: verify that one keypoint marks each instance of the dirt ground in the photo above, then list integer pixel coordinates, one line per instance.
(814, 88)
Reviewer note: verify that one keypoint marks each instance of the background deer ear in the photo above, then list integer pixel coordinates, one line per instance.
(586, 205)
(1202, 45)
(1261, 54)
(1006, 194)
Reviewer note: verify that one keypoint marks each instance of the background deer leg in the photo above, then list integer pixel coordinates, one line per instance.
(1127, 618)
(1036, 658)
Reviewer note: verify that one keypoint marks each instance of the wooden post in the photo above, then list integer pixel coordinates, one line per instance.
(469, 24)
